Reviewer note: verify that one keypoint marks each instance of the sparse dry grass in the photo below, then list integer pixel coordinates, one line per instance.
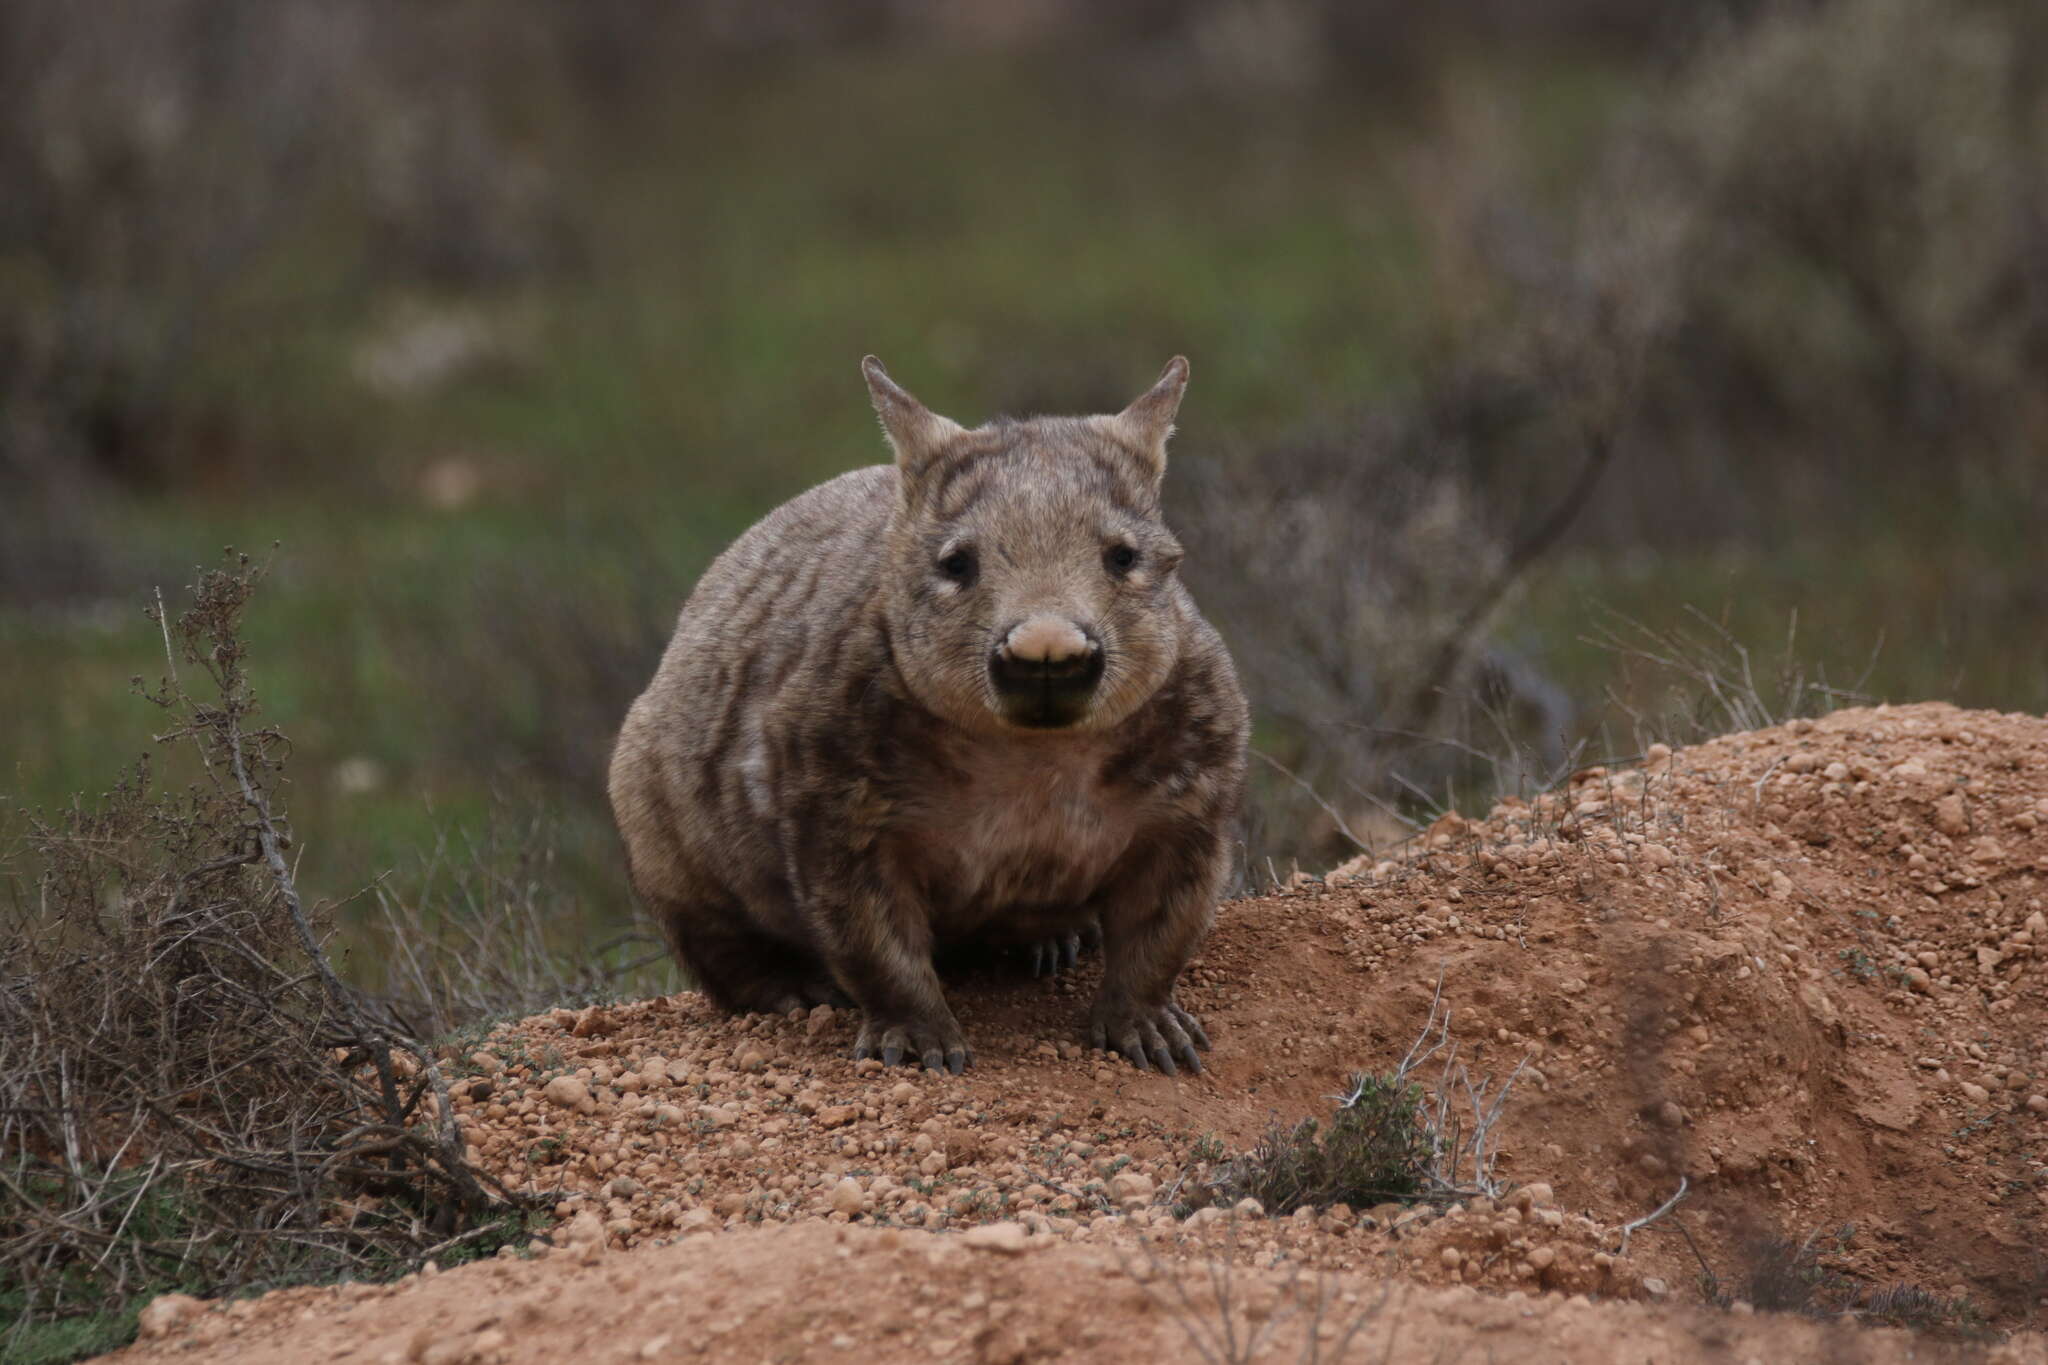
(484, 929)
(1712, 683)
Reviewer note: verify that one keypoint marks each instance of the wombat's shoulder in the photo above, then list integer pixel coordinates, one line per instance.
(842, 518)
(763, 614)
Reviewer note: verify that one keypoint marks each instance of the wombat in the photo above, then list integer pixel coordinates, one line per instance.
(963, 698)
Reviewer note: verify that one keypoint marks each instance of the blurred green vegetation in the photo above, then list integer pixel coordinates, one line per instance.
(490, 496)
(1032, 248)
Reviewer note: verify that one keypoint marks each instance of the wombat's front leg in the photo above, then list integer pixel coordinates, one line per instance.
(1152, 920)
(882, 955)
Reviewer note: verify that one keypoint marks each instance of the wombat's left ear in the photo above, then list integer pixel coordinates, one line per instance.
(915, 432)
(1148, 421)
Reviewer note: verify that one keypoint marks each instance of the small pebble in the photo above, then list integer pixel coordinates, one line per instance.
(848, 1197)
(568, 1092)
(1006, 1238)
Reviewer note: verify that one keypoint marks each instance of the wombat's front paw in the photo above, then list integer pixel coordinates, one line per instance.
(1164, 1034)
(939, 1045)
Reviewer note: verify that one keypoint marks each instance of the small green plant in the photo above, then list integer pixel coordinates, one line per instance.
(1389, 1139)
(977, 1205)
(514, 1227)
(1375, 1149)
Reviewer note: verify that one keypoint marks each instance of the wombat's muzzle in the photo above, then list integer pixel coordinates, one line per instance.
(1045, 672)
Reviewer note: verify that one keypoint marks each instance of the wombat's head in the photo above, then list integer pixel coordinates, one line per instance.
(1030, 582)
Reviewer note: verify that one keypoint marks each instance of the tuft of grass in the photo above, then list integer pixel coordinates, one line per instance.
(484, 928)
(1922, 1310)
(60, 1341)
(1780, 1275)
(1389, 1140)
(1374, 1150)
(1784, 1276)
(1716, 684)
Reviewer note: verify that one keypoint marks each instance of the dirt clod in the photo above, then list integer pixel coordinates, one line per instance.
(168, 1313)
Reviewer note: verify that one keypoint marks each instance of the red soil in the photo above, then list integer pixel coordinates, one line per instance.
(1805, 970)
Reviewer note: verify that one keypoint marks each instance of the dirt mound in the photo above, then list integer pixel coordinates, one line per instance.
(813, 1292)
(1800, 971)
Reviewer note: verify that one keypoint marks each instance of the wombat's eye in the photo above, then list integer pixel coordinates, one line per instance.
(1120, 559)
(958, 566)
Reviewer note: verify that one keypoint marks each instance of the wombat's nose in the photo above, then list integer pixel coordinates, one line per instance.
(1045, 670)
(1046, 639)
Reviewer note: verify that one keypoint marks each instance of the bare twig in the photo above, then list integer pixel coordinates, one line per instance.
(1342, 828)
(1631, 1228)
(1421, 704)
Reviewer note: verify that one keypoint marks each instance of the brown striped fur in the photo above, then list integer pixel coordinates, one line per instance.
(859, 747)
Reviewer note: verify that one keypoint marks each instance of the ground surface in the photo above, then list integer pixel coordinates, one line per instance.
(1804, 970)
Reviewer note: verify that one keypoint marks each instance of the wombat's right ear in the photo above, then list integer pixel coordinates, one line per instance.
(915, 432)
(1148, 421)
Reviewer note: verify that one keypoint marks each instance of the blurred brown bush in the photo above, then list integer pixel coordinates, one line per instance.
(1849, 207)
(158, 153)
(1808, 281)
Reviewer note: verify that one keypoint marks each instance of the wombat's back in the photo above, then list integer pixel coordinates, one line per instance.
(773, 622)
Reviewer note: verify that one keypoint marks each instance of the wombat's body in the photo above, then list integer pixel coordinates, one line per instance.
(961, 698)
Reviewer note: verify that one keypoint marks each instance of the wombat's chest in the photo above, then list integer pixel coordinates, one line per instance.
(1018, 847)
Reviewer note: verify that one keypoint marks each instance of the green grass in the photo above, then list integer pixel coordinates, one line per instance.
(99, 1324)
(68, 1339)
(99, 1319)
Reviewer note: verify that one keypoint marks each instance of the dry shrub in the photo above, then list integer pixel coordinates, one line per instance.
(189, 1096)
(1884, 148)
(1228, 1321)
(1373, 1152)
(1809, 283)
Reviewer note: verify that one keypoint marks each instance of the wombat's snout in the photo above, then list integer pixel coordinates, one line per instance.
(1045, 670)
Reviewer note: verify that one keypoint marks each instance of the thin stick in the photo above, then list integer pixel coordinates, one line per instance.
(1317, 797)
(1629, 1229)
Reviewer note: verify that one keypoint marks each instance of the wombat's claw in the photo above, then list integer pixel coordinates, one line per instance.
(896, 1044)
(812, 994)
(1051, 956)
(1158, 1037)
